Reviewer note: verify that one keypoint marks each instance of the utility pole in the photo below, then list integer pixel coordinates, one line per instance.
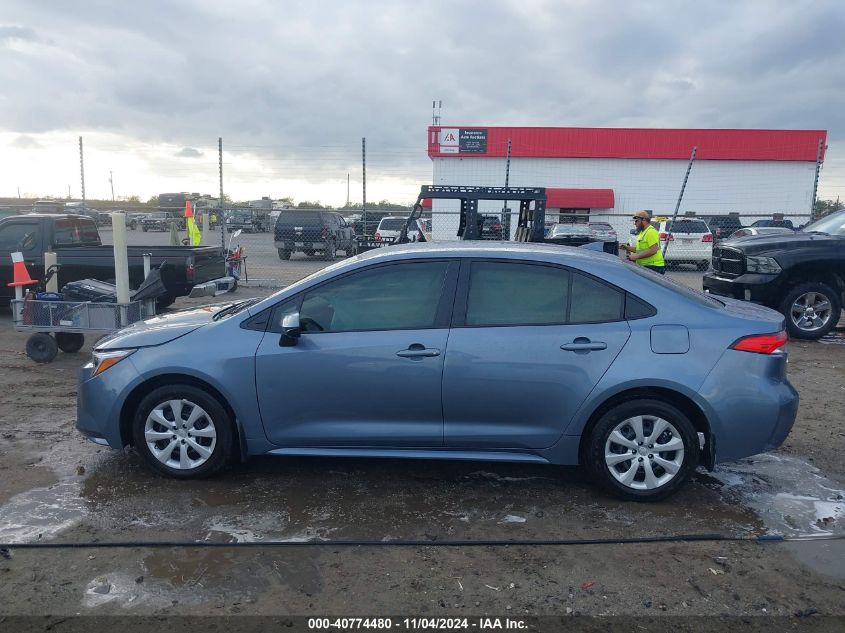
(111, 182)
(82, 170)
(681, 195)
(347, 190)
(816, 181)
(506, 216)
(364, 174)
(220, 215)
(68, 193)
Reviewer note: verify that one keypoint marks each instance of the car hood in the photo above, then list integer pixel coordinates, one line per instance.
(779, 242)
(160, 329)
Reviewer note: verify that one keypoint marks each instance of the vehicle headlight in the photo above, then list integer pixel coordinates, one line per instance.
(766, 265)
(103, 360)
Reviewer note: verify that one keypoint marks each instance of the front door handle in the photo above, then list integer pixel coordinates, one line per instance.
(418, 351)
(583, 344)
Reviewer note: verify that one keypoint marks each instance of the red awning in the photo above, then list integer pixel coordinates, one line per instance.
(579, 198)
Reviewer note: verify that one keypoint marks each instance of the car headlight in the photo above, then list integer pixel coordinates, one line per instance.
(766, 265)
(103, 360)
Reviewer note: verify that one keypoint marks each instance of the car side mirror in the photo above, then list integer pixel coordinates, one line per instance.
(291, 330)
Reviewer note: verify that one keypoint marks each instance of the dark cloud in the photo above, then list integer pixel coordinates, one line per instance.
(188, 152)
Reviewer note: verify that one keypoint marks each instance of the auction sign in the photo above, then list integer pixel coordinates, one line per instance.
(463, 140)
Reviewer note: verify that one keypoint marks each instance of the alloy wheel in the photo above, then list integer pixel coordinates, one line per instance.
(811, 311)
(180, 434)
(644, 452)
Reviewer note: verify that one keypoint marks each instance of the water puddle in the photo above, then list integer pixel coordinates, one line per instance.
(791, 497)
(41, 513)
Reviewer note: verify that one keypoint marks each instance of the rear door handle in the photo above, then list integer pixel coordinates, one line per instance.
(418, 351)
(582, 344)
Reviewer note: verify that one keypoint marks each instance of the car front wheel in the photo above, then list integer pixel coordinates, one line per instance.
(183, 431)
(642, 450)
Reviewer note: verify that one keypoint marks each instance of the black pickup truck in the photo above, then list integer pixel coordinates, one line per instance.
(801, 275)
(81, 255)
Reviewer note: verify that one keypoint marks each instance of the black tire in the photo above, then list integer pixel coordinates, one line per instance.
(330, 253)
(594, 453)
(164, 301)
(144, 228)
(70, 342)
(234, 286)
(284, 253)
(821, 290)
(703, 265)
(133, 225)
(309, 252)
(221, 454)
(41, 347)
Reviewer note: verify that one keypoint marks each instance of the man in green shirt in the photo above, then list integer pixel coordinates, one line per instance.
(647, 252)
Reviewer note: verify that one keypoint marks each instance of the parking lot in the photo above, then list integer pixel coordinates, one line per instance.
(57, 487)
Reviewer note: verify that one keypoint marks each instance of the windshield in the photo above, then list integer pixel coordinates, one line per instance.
(833, 224)
(299, 217)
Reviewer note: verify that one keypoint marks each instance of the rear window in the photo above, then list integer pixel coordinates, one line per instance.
(687, 226)
(299, 217)
(391, 224)
(75, 231)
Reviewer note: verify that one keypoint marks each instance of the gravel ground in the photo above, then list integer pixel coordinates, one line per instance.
(56, 487)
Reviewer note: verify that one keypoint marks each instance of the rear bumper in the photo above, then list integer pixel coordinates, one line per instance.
(293, 245)
(761, 289)
(212, 288)
(753, 415)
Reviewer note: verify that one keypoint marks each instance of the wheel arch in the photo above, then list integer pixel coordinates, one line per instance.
(829, 273)
(675, 398)
(138, 393)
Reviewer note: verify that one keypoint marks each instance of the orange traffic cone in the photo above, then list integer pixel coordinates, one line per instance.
(20, 275)
(189, 213)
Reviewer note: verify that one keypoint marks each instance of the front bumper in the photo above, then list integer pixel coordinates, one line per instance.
(757, 288)
(100, 399)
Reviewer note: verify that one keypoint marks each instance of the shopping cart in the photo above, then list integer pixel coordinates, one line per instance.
(62, 325)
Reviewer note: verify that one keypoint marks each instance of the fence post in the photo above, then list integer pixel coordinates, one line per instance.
(816, 181)
(680, 196)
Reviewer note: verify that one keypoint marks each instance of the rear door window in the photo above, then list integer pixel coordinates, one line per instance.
(594, 301)
(687, 226)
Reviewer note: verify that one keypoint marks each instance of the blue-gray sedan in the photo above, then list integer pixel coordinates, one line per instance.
(519, 353)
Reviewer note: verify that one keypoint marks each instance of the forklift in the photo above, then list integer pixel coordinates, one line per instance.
(530, 224)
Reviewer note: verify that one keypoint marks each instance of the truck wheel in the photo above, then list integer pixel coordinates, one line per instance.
(70, 342)
(811, 310)
(284, 253)
(41, 347)
(330, 254)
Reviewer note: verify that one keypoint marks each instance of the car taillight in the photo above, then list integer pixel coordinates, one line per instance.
(189, 271)
(708, 237)
(761, 343)
(378, 236)
(667, 237)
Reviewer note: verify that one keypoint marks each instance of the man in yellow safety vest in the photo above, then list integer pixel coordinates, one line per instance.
(647, 252)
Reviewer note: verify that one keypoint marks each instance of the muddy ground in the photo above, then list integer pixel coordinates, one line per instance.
(57, 487)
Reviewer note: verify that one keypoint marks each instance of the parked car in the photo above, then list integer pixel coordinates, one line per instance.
(722, 226)
(689, 241)
(310, 232)
(81, 255)
(248, 220)
(390, 227)
(571, 234)
(596, 362)
(761, 230)
(161, 221)
(801, 274)
(492, 227)
(134, 220)
(603, 231)
(774, 222)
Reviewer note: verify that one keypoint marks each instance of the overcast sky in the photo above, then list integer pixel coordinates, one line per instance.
(293, 86)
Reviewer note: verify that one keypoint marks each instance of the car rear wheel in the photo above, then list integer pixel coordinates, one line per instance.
(643, 450)
(284, 253)
(811, 310)
(183, 431)
(70, 342)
